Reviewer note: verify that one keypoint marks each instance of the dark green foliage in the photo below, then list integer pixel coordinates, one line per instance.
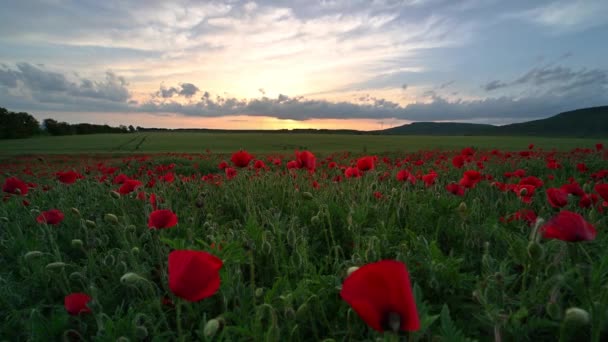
(17, 125)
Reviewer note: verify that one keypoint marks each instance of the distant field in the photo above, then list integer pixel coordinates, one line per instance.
(260, 143)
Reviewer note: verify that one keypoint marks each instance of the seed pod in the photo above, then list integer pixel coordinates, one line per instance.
(135, 251)
(55, 265)
(259, 292)
(90, 224)
(76, 276)
(577, 316)
(77, 243)
(212, 327)
(32, 254)
(111, 218)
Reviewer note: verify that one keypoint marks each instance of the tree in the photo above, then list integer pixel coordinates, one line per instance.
(17, 125)
(131, 129)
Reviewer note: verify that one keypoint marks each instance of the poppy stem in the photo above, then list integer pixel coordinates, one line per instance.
(178, 318)
(391, 337)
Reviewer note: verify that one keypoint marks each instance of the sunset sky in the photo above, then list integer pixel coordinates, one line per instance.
(360, 64)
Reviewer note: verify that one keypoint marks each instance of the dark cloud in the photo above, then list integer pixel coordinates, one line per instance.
(555, 79)
(446, 84)
(404, 86)
(496, 84)
(45, 84)
(185, 89)
(188, 90)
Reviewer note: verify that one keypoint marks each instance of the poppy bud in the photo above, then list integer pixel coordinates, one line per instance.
(4, 219)
(577, 317)
(553, 310)
(315, 220)
(90, 224)
(302, 311)
(200, 202)
(75, 211)
(462, 208)
(111, 218)
(32, 255)
(535, 250)
(35, 212)
(134, 250)
(76, 276)
(109, 260)
(523, 192)
(77, 243)
(55, 265)
(131, 278)
(141, 332)
(307, 195)
(131, 227)
(212, 327)
(351, 270)
(114, 194)
(476, 296)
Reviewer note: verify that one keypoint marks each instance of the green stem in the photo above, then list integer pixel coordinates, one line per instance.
(178, 307)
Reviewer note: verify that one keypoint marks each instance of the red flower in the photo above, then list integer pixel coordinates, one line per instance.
(259, 164)
(121, 178)
(458, 161)
(14, 185)
(241, 158)
(602, 190)
(153, 201)
(378, 195)
(405, 175)
(352, 172)
(194, 275)
(557, 197)
(429, 179)
(68, 177)
(531, 180)
(455, 189)
(365, 163)
(222, 165)
(523, 215)
(599, 147)
(582, 168)
(128, 186)
(381, 294)
(470, 179)
(230, 172)
(52, 216)
(306, 160)
(573, 189)
(160, 219)
(76, 303)
(467, 151)
(568, 226)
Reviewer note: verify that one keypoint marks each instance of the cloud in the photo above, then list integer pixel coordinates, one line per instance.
(40, 83)
(567, 15)
(186, 90)
(496, 84)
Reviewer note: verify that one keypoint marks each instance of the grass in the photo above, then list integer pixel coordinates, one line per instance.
(286, 246)
(266, 143)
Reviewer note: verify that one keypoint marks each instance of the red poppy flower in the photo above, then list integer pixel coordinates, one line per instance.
(52, 216)
(76, 303)
(153, 201)
(470, 179)
(14, 185)
(161, 219)
(241, 158)
(458, 161)
(378, 195)
(68, 177)
(568, 226)
(222, 165)
(573, 189)
(121, 178)
(582, 167)
(522, 215)
(259, 164)
(381, 294)
(602, 190)
(557, 197)
(352, 172)
(455, 189)
(531, 180)
(194, 275)
(405, 175)
(599, 147)
(467, 151)
(128, 186)
(230, 172)
(306, 160)
(429, 179)
(365, 163)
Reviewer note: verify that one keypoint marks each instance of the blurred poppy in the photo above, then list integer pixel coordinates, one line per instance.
(241, 158)
(14, 185)
(381, 294)
(194, 275)
(76, 303)
(568, 226)
(161, 219)
(52, 216)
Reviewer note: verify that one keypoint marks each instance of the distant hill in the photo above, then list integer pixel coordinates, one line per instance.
(587, 122)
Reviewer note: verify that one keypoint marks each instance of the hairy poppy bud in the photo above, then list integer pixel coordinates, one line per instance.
(131, 278)
(55, 265)
(76, 276)
(134, 250)
(77, 243)
(32, 255)
(75, 211)
(259, 292)
(35, 212)
(462, 208)
(523, 192)
(536, 250)
(307, 195)
(109, 260)
(111, 218)
(114, 194)
(141, 332)
(553, 310)
(315, 220)
(90, 224)
(577, 316)
(351, 270)
(212, 327)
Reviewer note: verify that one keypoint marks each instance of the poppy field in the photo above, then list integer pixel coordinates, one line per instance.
(445, 244)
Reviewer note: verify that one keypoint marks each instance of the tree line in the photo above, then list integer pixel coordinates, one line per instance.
(23, 125)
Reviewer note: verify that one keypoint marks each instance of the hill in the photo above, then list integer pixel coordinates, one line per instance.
(586, 122)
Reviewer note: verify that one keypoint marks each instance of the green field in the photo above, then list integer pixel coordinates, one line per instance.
(272, 142)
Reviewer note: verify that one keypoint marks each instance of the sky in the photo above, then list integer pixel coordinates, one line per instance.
(269, 64)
